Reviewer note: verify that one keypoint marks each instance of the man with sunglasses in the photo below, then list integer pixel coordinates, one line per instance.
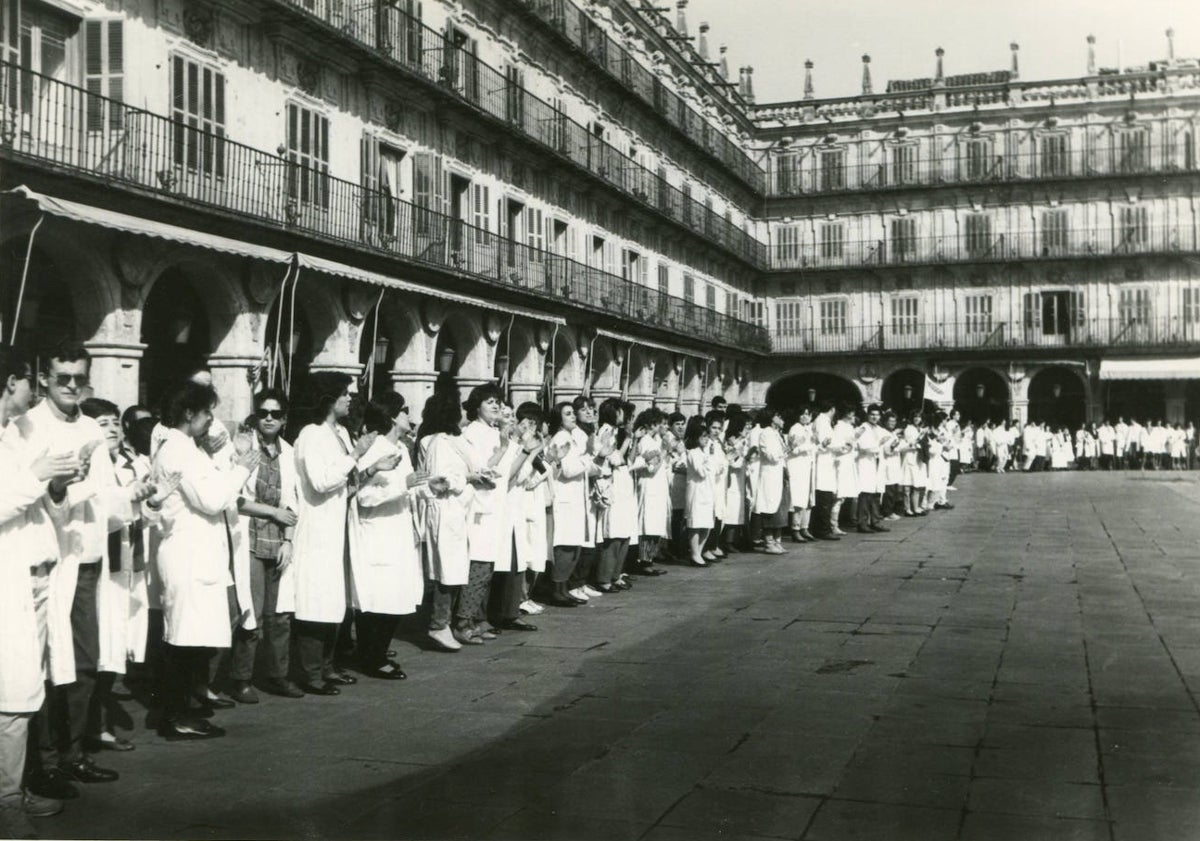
(58, 426)
(269, 503)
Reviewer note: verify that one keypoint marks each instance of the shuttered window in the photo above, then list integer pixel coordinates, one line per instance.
(198, 117)
(978, 310)
(1053, 157)
(833, 169)
(104, 73)
(977, 229)
(832, 240)
(833, 316)
(308, 154)
(904, 316)
(1055, 233)
(789, 317)
(904, 238)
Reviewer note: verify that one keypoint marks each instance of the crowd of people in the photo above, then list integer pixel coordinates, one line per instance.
(160, 548)
(1038, 445)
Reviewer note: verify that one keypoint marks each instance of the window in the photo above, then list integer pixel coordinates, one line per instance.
(198, 120)
(1133, 150)
(1032, 311)
(789, 318)
(461, 68)
(1134, 306)
(978, 309)
(481, 215)
(787, 249)
(904, 238)
(308, 154)
(104, 73)
(535, 232)
(904, 316)
(833, 317)
(44, 35)
(1053, 157)
(710, 297)
(629, 265)
(978, 232)
(429, 192)
(689, 289)
(514, 98)
(1055, 234)
(756, 312)
(732, 307)
(1191, 305)
(832, 240)
(833, 169)
(1134, 232)
(787, 173)
(904, 163)
(664, 279)
(977, 159)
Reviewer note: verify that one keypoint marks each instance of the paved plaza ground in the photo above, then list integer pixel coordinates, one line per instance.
(1024, 667)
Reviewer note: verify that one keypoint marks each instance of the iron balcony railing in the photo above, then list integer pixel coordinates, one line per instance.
(819, 172)
(1133, 331)
(567, 19)
(47, 121)
(432, 56)
(1137, 237)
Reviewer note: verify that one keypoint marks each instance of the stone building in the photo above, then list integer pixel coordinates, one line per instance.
(573, 196)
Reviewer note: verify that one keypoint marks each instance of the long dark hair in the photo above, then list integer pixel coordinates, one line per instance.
(696, 427)
(442, 413)
(556, 416)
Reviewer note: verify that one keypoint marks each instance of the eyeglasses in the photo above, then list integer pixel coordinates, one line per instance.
(273, 414)
(64, 380)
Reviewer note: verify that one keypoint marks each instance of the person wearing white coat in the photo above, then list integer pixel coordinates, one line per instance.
(699, 497)
(715, 423)
(735, 445)
(800, 467)
(28, 564)
(617, 520)
(326, 471)
(771, 492)
(825, 473)
(574, 466)
(652, 475)
(387, 581)
(846, 466)
(268, 504)
(194, 554)
(868, 457)
(527, 498)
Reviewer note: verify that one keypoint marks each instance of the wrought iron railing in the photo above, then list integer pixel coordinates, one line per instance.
(865, 167)
(429, 54)
(64, 126)
(987, 334)
(1118, 239)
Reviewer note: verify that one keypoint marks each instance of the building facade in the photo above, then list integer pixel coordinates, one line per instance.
(572, 197)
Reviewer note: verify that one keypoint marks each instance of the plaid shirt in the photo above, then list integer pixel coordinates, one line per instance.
(266, 535)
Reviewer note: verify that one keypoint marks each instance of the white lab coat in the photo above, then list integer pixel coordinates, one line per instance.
(446, 556)
(620, 520)
(870, 479)
(801, 449)
(735, 492)
(825, 476)
(571, 501)
(121, 591)
(719, 471)
(27, 539)
(528, 519)
(385, 561)
(768, 496)
(698, 490)
(910, 458)
(653, 488)
(194, 552)
(489, 511)
(323, 465)
(846, 464)
(289, 498)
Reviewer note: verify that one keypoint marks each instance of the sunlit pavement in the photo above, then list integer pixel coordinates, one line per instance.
(1023, 667)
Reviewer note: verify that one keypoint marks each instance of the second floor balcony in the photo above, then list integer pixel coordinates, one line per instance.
(51, 124)
(1127, 333)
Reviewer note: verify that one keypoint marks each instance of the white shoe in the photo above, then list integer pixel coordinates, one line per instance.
(591, 591)
(579, 593)
(836, 530)
(445, 638)
(951, 488)
(892, 517)
(531, 607)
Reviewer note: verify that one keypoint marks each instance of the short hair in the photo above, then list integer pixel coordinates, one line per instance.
(326, 388)
(764, 416)
(479, 395)
(96, 407)
(608, 411)
(530, 410)
(14, 362)
(718, 399)
(889, 415)
(377, 418)
(824, 406)
(187, 397)
(580, 401)
(140, 434)
(713, 416)
(271, 394)
(847, 408)
(130, 415)
(556, 415)
(393, 402)
(874, 407)
(69, 350)
(696, 427)
(648, 418)
(675, 417)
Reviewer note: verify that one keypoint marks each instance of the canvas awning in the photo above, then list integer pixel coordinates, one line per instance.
(1151, 368)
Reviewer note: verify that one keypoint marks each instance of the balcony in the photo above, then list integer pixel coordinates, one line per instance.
(406, 43)
(1060, 244)
(1143, 332)
(48, 123)
(982, 167)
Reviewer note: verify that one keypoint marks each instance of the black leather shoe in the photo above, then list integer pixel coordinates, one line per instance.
(388, 671)
(284, 688)
(556, 600)
(215, 701)
(86, 771)
(52, 783)
(648, 571)
(880, 529)
(341, 679)
(189, 729)
(826, 537)
(519, 625)
(326, 688)
(244, 693)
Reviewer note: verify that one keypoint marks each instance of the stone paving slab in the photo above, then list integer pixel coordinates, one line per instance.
(1024, 667)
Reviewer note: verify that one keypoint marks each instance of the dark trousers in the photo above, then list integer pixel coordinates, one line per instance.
(822, 516)
(678, 534)
(955, 469)
(565, 559)
(375, 632)
(612, 560)
(275, 627)
(891, 501)
(183, 669)
(869, 513)
(582, 574)
(62, 723)
(471, 600)
(315, 644)
(508, 590)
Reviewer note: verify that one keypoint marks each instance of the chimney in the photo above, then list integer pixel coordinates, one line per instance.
(1170, 44)
(1091, 65)
(750, 85)
(742, 82)
(808, 84)
(702, 47)
(939, 78)
(866, 82)
(681, 18)
(724, 68)
(1016, 48)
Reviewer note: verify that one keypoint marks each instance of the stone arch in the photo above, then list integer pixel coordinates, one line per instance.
(982, 394)
(526, 371)
(903, 391)
(665, 380)
(461, 332)
(1059, 395)
(803, 387)
(607, 368)
(568, 365)
(47, 313)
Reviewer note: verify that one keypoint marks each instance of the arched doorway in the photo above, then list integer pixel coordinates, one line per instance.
(809, 387)
(176, 332)
(47, 316)
(904, 392)
(1057, 397)
(981, 394)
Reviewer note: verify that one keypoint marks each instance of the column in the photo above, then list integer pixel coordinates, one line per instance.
(1020, 410)
(525, 393)
(115, 371)
(415, 387)
(234, 377)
